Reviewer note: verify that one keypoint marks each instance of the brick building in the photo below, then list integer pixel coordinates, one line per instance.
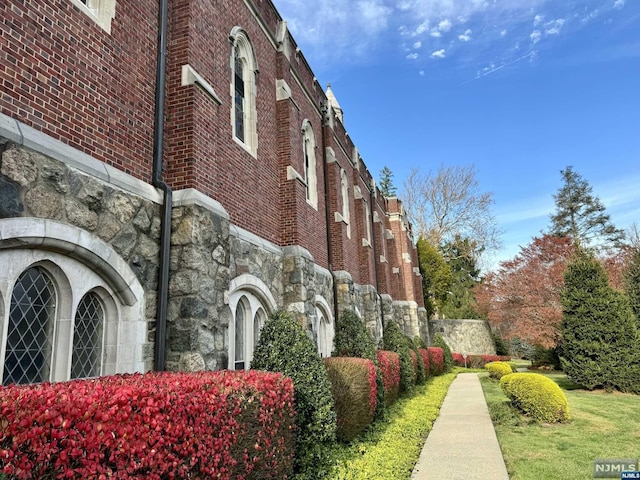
(171, 173)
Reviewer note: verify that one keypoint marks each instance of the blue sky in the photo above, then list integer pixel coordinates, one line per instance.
(518, 88)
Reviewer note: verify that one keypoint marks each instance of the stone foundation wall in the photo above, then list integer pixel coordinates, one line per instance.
(465, 336)
(36, 185)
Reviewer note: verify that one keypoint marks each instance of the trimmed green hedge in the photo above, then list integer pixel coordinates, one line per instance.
(285, 347)
(498, 370)
(537, 396)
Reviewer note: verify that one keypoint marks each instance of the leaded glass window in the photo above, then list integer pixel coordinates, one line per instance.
(240, 340)
(30, 332)
(239, 97)
(87, 338)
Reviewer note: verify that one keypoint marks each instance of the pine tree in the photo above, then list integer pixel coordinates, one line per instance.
(580, 215)
(387, 188)
(599, 330)
(632, 282)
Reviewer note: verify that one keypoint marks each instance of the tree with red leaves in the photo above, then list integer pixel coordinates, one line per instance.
(522, 298)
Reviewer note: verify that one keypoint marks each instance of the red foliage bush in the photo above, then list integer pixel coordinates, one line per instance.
(458, 359)
(424, 353)
(389, 365)
(478, 361)
(161, 425)
(354, 389)
(436, 360)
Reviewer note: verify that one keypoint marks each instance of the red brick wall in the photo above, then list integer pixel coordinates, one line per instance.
(62, 74)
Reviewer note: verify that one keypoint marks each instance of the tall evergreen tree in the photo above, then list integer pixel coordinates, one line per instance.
(632, 282)
(462, 256)
(580, 215)
(599, 331)
(387, 188)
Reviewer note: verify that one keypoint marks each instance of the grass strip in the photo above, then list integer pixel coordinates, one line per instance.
(390, 448)
(603, 425)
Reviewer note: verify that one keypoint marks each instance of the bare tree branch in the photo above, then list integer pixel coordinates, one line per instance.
(448, 203)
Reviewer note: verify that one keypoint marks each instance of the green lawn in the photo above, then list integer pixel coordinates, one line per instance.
(603, 425)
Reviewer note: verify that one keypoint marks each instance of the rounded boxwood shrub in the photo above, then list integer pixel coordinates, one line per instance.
(498, 370)
(395, 340)
(352, 339)
(285, 347)
(537, 396)
(438, 341)
(353, 384)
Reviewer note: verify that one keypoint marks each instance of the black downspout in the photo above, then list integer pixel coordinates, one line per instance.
(325, 121)
(372, 198)
(165, 231)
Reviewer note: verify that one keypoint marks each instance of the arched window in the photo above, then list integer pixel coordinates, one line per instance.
(87, 337)
(30, 333)
(240, 335)
(344, 187)
(70, 306)
(250, 302)
(310, 174)
(244, 70)
(324, 328)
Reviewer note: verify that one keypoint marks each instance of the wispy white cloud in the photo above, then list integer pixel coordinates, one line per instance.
(412, 56)
(438, 53)
(535, 36)
(335, 30)
(553, 27)
(466, 36)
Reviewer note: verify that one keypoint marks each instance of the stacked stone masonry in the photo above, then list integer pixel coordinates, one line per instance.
(272, 204)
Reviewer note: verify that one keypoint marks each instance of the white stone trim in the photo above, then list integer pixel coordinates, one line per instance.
(330, 155)
(388, 234)
(292, 174)
(366, 243)
(190, 77)
(191, 196)
(395, 270)
(357, 192)
(383, 259)
(100, 11)
(283, 90)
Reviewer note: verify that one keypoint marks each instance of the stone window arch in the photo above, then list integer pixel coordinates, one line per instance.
(324, 327)
(309, 157)
(251, 303)
(81, 271)
(244, 72)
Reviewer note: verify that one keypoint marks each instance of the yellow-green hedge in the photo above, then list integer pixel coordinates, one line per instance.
(537, 396)
(498, 369)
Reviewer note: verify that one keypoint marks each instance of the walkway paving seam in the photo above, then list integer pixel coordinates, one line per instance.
(462, 444)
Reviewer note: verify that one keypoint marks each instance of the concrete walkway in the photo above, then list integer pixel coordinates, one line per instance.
(462, 444)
